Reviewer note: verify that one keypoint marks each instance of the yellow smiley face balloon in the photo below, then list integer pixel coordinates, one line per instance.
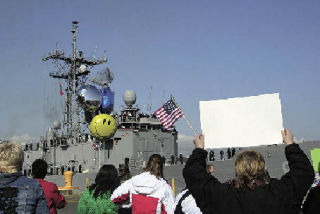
(103, 126)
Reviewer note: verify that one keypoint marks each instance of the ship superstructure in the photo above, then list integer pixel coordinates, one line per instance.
(69, 146)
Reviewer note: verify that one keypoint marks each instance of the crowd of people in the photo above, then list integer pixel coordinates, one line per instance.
(251, 191)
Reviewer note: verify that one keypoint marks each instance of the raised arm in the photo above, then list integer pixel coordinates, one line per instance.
(301, 174)
(203, 186)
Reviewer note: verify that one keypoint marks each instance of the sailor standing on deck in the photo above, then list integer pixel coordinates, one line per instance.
(172, 159)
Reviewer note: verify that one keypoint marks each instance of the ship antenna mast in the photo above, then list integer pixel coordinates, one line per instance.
(149, 101)
(72, 77)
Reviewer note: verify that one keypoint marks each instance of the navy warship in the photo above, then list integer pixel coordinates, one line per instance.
(70, 146)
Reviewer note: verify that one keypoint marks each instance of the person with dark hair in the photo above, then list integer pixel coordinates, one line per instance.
(148, 192)
(253, 191)
(96, 199)
(18, 194)
(54, 198)
(221, 155)
(211, 155)
(172, 159)
(124, 173)
(181, 158)
(233, 151)
(229, 153)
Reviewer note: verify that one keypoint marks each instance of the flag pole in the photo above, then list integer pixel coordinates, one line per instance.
(184, 117)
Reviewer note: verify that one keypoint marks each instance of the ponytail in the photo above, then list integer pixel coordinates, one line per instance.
(155, 165)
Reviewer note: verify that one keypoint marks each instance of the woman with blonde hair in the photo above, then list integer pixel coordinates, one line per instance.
(148, 192)
(253, 191)
(250, 170)
(18, 194)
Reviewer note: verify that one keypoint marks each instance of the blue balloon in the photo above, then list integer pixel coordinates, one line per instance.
(107, 100)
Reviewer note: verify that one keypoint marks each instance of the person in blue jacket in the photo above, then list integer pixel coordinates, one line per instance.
(18, 194)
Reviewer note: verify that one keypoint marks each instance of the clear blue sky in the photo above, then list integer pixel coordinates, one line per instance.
(196, 50)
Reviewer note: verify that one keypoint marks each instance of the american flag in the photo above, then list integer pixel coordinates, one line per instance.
(168, 114)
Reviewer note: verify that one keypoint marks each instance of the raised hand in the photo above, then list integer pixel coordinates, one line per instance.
(287, 136)
(199, 141)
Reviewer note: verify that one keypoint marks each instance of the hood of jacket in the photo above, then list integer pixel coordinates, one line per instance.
(7, 178)
(147, 184)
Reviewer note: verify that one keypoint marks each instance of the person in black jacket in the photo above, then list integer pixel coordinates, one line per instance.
(312, 203)
(253, 191)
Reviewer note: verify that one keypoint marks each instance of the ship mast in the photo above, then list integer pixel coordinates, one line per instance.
(73, 69)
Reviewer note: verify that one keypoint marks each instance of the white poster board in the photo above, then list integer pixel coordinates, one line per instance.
(242, 122)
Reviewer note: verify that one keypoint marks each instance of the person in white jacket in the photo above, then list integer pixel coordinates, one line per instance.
(148, 192)
(185, 203)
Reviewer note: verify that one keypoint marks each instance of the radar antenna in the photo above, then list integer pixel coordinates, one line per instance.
(95, 51)
(72, 69)
(103, 78)
(149, 101)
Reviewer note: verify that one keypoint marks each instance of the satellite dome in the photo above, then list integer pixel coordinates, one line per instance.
(129, 98)
(82, 68)
(56, 125)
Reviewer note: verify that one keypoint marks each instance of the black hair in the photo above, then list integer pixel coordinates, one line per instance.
(106, 180)
(39, 169)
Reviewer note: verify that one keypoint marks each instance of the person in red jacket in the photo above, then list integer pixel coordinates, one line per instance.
(54, 198)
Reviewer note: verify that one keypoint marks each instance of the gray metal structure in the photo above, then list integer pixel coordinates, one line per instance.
(69, 146)
(73, 69)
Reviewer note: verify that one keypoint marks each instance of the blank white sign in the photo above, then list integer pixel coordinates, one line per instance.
(242, 122)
